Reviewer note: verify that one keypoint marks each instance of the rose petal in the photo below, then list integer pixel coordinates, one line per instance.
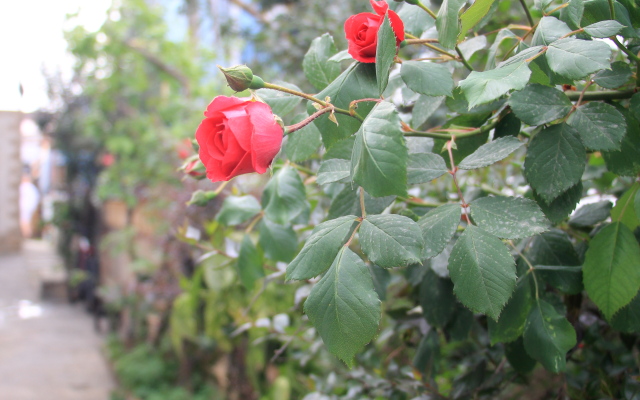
(221, 103)
(234, 167)
(240, 126)
(380, 7)
(267, 136)
(397, 25)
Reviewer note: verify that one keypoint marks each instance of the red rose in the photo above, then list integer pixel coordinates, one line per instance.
(361, 31)
(237, 136)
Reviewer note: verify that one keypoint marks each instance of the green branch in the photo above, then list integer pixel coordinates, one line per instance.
(574, 95)
(447, 134)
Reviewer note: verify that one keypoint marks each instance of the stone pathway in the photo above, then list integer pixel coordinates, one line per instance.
(48, 348)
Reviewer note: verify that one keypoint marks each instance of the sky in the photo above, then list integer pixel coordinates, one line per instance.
(32, 38)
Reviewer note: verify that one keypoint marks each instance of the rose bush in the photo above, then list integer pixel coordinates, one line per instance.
(237, 136)
(361, 31)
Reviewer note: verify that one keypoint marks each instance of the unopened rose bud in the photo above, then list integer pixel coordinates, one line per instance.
(202, 198)
(239, 77)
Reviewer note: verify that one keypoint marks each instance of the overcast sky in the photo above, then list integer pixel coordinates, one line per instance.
(31, 38)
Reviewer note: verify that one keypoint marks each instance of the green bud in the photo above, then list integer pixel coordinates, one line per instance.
(414, 2)
(201, 198)
(256, 83)
(239, 77)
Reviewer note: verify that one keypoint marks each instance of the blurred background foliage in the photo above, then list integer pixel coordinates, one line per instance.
(184, 326)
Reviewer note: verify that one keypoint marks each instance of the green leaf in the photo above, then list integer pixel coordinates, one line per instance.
(237, 209)
(555, 161)
(343, 306)
(379, 160)
(610, 270)
(518, 357)
(279, 243)
(565, 279)
(427, 78)
(316, 65)
(321, 248)
(562, 205)
(600, 125)
(509, 125)
(502, 35)
(483, 87)
(381, 279)
(425, 167)
(615, 77)
(491, 152)
(348, 202)
(482, 271)
(548, 336)
(334, 170)
(603, 29)
(385, 53)
(249, 263)
(575, 58)
(284, 197)
(553, 248)
(471, 46)
(598, 10)
(341, 149)
(636, 204)
(627, 320)
(415, 20)
(634, 105)
(549, 30)
(424, 107)
(356, 82)
(428, 354)
(281, 103)
(508, 217)
(438, 227)
(541, 4)
(302, 144)
(459, 104)
(511, 323)
(473, 15)
(626, 161)
(436, 299)
(624, 211)
(391, 240)
(590, 214)
(448, 23)
(537, 104)
(572, 14)
(342, 55)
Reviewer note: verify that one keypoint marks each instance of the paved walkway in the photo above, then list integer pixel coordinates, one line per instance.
(48, 349)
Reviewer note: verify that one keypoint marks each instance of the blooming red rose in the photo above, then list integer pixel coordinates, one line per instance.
(361, 31)
(237, 136)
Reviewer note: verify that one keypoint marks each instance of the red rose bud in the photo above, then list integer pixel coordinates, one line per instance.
(361, 31)
(237, 136)
(194, 168)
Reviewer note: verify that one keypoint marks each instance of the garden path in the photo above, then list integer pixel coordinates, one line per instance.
(48, 348)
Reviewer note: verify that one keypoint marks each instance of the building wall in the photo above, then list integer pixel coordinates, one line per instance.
(10, 174)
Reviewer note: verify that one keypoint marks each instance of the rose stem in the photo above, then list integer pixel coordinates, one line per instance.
(432, 47)
(448, 133)
(453, 172)
(292, 128)
(323, 103)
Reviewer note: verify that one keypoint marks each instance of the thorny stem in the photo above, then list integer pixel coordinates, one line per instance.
(462, 59)
(432, 47)
(626, 50)
(292, 128)
(531, 269)
(425, 8)
(575, 106)
(453, 172)
(323, 103)
(254, 222)
(527, 12)
(446, 134)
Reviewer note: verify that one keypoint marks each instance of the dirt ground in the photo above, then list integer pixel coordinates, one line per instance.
(48, 348)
